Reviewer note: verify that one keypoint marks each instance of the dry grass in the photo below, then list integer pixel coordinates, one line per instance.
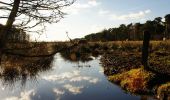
(164, 91)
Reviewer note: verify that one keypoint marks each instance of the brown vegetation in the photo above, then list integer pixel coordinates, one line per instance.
(134, 81)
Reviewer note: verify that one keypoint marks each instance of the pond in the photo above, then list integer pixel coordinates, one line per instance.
(63, 80)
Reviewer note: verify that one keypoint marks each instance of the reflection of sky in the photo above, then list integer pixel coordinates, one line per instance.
(67, 82)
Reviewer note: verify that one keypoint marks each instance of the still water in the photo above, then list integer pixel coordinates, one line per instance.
(63, 80)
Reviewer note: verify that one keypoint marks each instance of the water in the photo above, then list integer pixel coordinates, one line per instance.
(64, 80)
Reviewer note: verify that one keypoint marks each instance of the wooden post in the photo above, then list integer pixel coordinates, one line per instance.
(0, 56)
(145, 49)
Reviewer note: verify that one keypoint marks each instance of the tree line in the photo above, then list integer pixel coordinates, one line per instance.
(159, 30)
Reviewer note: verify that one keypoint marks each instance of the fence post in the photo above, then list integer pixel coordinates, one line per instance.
(145, 49)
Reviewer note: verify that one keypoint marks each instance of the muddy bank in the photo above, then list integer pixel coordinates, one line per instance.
(118, 62)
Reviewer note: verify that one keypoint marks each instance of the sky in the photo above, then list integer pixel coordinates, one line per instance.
(91, 16)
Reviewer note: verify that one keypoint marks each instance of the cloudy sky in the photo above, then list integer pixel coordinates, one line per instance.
(88, 16)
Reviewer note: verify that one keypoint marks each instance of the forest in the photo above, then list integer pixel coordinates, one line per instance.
(134, 31)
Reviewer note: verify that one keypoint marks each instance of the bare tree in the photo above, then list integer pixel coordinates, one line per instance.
(27, 14)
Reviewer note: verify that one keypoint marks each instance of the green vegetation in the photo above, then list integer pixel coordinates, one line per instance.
(157, 28)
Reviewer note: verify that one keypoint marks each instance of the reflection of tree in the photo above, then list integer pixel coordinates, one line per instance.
(76, 57)
(81, 52)
(14, 68)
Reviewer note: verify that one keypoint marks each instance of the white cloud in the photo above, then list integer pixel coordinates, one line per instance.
(94, 81)
(137, 15)
(73, 89)
(101, 70)
(3, 88)
(79, 78)
(77, 7)
(81, 6)
(23, 96)
(63, 76)
(74, 76)
(96, 28)
(147, 11)
(103, 12)
(84, 78)
(93, 3)
(58, 91)
(12, 98)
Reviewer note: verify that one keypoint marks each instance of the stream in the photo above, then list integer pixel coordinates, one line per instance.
(65, 80)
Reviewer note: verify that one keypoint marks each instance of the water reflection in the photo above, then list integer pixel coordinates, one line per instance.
(15, 68)
(76, 57)
(81, 53)
(57, 79)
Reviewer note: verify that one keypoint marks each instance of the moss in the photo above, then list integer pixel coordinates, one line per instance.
(134, 81)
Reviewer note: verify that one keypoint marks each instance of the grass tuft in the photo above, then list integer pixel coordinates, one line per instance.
(134, 81)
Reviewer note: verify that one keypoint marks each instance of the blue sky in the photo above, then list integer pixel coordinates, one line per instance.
(89, 16)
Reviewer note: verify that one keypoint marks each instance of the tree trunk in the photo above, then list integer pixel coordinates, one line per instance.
(6, 30)
(0, 56)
